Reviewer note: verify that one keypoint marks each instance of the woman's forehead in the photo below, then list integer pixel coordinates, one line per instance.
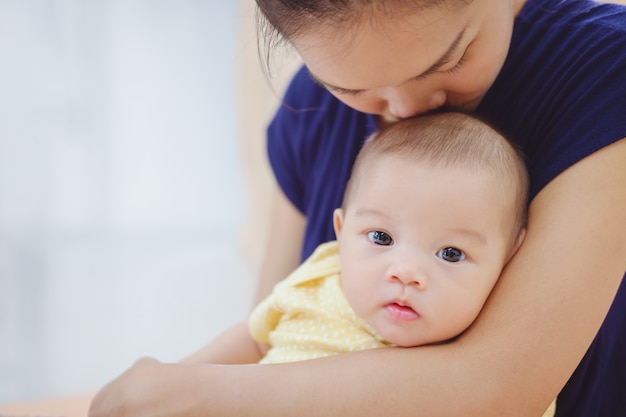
(381, 52)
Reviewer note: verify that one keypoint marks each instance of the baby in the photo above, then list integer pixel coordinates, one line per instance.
(434, 209)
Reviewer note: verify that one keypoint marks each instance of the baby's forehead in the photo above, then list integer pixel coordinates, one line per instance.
(374, 158)
(373, 163)
(498, 181)
(457, 192)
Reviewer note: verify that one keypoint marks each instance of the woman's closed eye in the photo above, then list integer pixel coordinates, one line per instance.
(380, 238)
(458, 65)
(451, 254)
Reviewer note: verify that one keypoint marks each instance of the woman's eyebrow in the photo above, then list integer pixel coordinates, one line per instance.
(443, 60)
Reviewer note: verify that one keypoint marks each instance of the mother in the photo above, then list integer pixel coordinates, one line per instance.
(551, 74)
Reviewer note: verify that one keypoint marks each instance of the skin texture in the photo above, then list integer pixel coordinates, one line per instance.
(538, 322)
(287, 234)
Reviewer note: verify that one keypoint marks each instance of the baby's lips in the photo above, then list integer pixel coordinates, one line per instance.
(400, 311)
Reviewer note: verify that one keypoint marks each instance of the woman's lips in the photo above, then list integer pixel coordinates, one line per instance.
(400, 312)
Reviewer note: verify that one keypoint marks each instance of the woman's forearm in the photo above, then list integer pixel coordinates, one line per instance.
(282, 250)
(233, 346)
(372, 383)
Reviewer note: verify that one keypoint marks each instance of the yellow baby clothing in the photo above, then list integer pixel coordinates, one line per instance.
(551, 410)
(307, 315)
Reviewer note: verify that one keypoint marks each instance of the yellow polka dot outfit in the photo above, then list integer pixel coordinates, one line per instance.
(307, 315)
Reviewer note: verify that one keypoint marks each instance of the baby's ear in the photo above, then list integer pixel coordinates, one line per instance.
(338, 221)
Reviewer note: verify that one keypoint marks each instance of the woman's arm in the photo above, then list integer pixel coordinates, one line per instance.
(284, 244)
(538, 323)
(233, 346)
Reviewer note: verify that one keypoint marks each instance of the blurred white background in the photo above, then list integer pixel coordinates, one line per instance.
(122, 188)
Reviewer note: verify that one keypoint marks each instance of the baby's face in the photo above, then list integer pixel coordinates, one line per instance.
(421, 248)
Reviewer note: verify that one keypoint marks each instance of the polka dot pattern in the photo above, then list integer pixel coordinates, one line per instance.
(307, 315)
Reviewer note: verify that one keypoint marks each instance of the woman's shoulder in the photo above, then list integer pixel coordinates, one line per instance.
(572, 29)
(561, 93)
(575, 12)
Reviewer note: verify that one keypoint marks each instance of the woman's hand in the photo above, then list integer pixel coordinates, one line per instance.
(126, 395)
(150, 388)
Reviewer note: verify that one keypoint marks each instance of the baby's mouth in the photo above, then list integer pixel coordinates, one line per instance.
(401, 312)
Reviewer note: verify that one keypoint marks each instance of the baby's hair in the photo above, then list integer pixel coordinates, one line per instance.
(451, 140)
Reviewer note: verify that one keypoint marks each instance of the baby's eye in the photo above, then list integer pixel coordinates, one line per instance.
(451, 254)
(380, 238)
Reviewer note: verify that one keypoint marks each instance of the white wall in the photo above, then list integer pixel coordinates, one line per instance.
(121, 186)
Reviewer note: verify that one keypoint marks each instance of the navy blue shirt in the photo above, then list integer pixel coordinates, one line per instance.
(561, 95)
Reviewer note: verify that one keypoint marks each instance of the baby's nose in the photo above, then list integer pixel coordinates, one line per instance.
(408, 274)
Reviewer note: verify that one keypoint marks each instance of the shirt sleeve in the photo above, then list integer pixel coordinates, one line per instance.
(290, 134)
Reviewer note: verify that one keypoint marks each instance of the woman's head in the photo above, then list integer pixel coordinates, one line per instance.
(395, 58)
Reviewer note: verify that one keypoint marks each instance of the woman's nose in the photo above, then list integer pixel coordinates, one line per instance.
(404, 102)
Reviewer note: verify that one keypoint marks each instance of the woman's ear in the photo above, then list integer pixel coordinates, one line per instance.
(338, 221)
